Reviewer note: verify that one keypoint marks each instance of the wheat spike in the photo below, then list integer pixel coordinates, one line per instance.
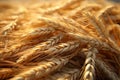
(64, 74)
(82, 7)
(107, 70)
(89, 65)
(58, 50)
(28, 54)
(38, 32)
(94, 42)
(25, 45)
(7, 73)
(104, 10)
(115, 18)
(41, 70)
(59, 24)
(10, 23)
(66, 5)
(17, 48)
(7, 63)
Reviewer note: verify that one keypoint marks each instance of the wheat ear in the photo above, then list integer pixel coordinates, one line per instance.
(38, 32)
(7, 73)
(114, 18)
(17, 48)
(104, 10)
(98, 27)
(9, 27)
(57, 8)
(106, 69)
(64, 74)
(25, 45)
(101, 29)
(89, 65)
(40, 47)
(10, 22)
(59, 23)
(100, 45)
(42, 69)
(58, 50)
(6, 63)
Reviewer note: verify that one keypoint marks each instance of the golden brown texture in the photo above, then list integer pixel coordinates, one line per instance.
(59, 40)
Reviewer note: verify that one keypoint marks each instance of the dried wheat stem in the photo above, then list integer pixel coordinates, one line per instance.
(42, 69)
(28, 54)
(107, 70)
(64, 74)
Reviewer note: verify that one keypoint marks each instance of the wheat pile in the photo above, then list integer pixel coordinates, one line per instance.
(60, 40)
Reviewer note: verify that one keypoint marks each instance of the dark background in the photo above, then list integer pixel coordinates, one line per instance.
(117, 0)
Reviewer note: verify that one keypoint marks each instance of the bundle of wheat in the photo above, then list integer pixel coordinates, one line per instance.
(60, 40)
